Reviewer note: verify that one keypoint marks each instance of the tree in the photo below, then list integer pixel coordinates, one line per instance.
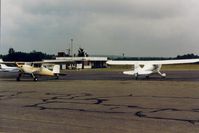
(187, 56)
(82, 53)
(29, 57)
(11, 51)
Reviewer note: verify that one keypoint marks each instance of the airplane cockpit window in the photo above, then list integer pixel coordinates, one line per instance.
(11, 64)
(37, 65)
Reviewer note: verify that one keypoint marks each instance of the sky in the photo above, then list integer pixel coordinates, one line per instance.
(142, 28)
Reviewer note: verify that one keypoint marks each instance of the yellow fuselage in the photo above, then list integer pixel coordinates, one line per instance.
(36, 70)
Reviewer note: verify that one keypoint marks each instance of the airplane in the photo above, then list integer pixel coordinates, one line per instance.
(7, 68)
(34, 69)
(147, 68)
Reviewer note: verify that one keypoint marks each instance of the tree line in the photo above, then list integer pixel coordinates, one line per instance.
(39, 56)
(185, 56)
(34, 55)
(23, 56)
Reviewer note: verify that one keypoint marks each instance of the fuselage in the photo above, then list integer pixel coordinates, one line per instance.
(5, 68)
(147, 69)
(28, 69)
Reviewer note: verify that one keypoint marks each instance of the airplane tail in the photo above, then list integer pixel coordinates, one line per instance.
(56, 69)
(3, 66)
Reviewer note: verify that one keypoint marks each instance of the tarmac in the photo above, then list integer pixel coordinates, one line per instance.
(100, 102)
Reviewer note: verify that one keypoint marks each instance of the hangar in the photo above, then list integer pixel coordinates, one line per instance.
(79, 62)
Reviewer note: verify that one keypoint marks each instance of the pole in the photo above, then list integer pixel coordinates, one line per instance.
(71, 46)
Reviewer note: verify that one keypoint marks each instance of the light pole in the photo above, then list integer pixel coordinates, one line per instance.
(71, 51)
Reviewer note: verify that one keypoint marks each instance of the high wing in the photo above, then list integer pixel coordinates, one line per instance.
(161, 62)
(147, 68)
(34, 69)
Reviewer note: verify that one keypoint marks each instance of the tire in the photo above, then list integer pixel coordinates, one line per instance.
(35, 79)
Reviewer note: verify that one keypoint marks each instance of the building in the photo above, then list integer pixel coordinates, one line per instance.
(79, 62)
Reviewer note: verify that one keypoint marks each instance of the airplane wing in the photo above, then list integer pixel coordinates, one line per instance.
(161, 62)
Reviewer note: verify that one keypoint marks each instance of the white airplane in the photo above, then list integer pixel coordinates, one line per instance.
(33, 69)
(147, 68)
(6, 68)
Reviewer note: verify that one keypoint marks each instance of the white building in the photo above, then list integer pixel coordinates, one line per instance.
(79, 62)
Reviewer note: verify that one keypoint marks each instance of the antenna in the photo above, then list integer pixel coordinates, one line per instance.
(71, 49)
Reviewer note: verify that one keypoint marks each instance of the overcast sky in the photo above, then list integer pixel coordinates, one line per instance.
(111, 27)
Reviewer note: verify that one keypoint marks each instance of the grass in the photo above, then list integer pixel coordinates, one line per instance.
(181, 67)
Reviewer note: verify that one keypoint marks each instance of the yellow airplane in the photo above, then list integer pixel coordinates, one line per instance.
(33, 69)
(36, 69)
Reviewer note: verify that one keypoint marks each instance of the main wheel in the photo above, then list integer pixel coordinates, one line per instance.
(136, 76)
(35, 79)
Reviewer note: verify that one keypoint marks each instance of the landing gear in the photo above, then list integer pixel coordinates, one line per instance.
(136, 76)
(163, 75)
(57, 76)
(18, 77)
(34, 77)
(147, 77)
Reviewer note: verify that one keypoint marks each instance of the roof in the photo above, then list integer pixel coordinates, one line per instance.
(82, 58)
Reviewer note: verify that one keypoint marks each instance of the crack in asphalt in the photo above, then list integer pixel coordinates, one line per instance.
(104, 105)
(13, 94)
(143, 112)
